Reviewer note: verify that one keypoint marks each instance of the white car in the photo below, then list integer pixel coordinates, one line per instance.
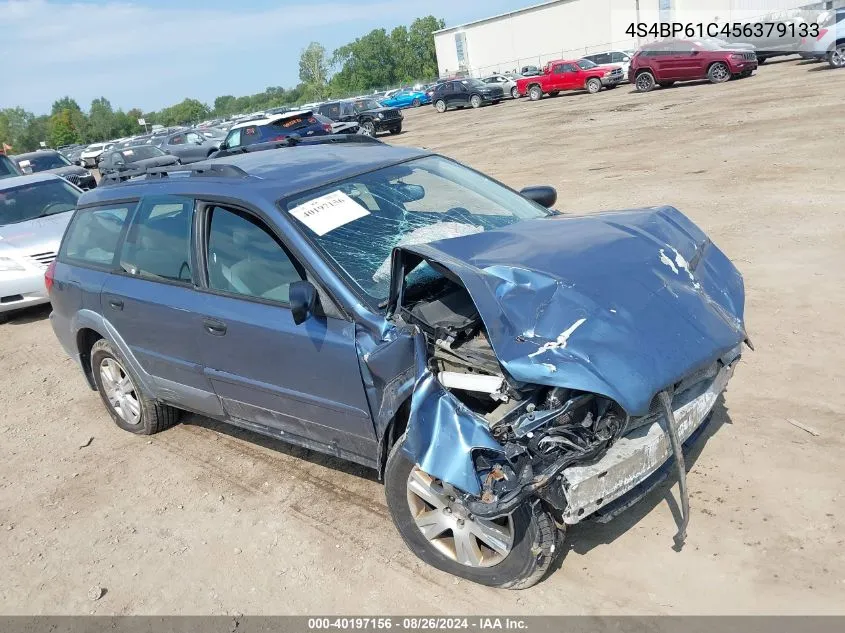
(618, 58)
(91, 156)
(830, 43)
(34, 212)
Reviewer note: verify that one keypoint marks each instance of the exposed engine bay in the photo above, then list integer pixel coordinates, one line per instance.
(542, 430)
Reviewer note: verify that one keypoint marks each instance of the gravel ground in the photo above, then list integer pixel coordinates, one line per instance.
(204, 519)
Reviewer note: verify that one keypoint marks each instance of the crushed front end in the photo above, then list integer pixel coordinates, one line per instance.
(565, 360)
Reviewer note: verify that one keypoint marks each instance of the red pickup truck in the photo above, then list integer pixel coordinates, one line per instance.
(569, 74)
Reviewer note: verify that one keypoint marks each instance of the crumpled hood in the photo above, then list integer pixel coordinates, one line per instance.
(622, 304)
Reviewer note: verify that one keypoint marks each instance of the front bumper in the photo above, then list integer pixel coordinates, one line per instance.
(22, 289)
(89, 161)
(743, 66)
(612, 81)
(640, 453)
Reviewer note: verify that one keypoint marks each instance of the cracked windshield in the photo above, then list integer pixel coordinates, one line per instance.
(358, 222)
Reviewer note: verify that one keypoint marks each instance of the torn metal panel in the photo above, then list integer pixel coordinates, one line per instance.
(638, 454)
(621, 304)
(442, 432)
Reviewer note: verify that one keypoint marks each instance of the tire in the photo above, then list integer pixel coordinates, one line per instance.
(475, 101)
(108, 365)
(368, 128)
(554, 93)
(644, 82)
(535, 93)
(396, 130)
(535, 541)
(4, 317)
(440, 106)
(415, 103)
(593, 85)
(666, 84)
(836, 57)
(718, 73)
(514, 93)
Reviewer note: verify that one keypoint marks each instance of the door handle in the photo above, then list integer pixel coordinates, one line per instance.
(214, 327)
(116, 304)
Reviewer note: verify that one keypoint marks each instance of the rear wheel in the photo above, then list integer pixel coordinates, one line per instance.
(836, 57)
(645, 82)
(535, 93)
(593, 85)
(440, 105)
(718, 73)
(127, 405)
(512, 552)
(475, 101)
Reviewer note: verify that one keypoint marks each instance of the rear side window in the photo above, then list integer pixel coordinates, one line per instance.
(158, 243)
(93, 234)
(7, 168)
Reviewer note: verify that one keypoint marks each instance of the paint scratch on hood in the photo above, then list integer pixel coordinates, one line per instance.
(560, 342)
(665, 260)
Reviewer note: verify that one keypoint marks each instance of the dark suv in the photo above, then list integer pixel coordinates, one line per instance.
(369, 114)
(52, 162)
(392, 307)
(463, 93)
(668, 61)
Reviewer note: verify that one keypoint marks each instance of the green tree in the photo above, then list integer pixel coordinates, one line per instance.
(65, 103)
(101, 119)
(62, 130)
(314, 70)
(421, 46)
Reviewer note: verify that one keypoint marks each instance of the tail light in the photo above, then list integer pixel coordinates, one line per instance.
(49, 276)
(822, 33)
(327, 127)
(312, 120)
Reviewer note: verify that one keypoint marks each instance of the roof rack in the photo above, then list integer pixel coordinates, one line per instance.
(211, 170)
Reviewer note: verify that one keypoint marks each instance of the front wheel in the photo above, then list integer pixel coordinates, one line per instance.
(440, 106)
(396, 130)
(836, 57)
(513, 552)
(515, 92)
(475, 101)
(415, 103)
(368, 128)
(645, 82)
(593, 85)
(718, 73)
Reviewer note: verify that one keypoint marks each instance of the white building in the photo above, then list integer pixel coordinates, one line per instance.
(559, 29)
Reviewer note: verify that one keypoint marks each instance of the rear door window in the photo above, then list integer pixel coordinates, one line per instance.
(93, 234)
(158, 243)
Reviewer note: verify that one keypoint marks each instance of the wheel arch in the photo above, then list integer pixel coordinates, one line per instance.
(392, 432)
(85, 339)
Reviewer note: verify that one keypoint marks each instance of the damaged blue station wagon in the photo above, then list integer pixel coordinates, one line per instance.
(509, 370)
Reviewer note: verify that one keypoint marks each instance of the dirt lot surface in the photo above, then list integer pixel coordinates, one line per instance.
(205, 519)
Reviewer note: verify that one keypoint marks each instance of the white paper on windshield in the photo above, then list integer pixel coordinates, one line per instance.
(328, 212)
(128, 152)
(24, 164)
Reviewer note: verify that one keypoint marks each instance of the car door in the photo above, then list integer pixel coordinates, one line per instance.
(303, 381)
(175, 144)
(194, 149)
(693, 61)
(152, 304)
(569, 77)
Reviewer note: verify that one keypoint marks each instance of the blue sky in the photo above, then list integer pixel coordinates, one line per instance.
(153, 53)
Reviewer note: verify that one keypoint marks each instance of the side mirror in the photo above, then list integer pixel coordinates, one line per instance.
(543, 195)
(302, 297)
(119, 164)
(223, 146)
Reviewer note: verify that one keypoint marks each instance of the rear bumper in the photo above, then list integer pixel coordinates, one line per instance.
(640, 453)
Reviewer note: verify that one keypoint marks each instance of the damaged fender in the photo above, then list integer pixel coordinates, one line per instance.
(442, 432)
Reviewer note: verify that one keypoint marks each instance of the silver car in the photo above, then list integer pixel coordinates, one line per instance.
(34, 211)
(506, 83)
(830, 43)
(189, 146)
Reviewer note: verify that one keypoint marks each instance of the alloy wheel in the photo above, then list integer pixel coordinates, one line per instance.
(837, 57)
(475, 101)
(451, 530)
(440, 106)
(645, 82)
(120, 391)
(720, 73)
(368, 129)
